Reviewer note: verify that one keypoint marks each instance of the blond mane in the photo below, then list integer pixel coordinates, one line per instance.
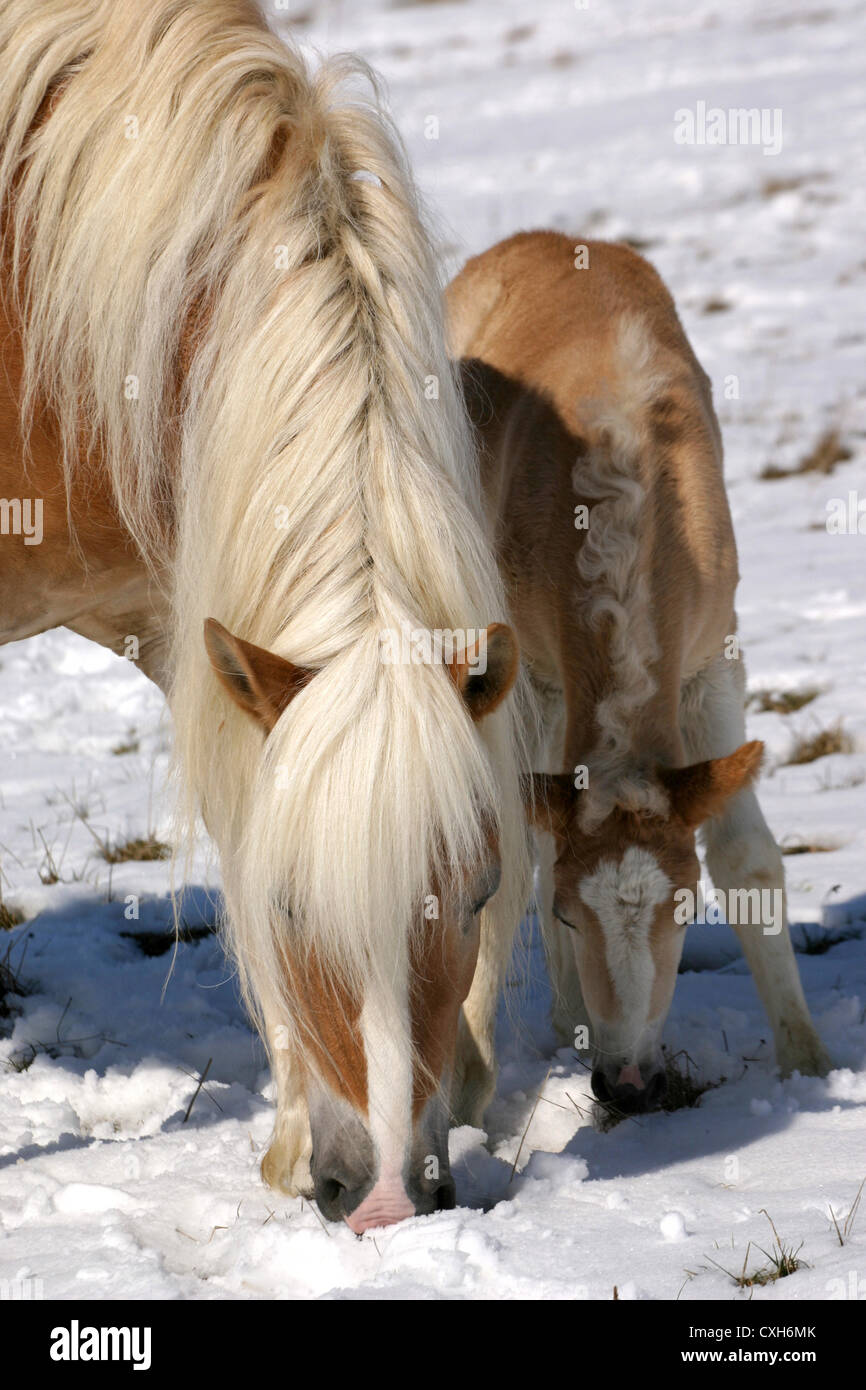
(614, 572)
(229, 299)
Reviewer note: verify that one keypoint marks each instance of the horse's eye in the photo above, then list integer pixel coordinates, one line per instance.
(482, 902)
(564, 920)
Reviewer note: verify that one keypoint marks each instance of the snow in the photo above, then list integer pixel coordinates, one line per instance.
(560, 116)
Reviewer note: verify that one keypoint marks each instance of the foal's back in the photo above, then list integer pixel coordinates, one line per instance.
(526, 308)
(579, 380)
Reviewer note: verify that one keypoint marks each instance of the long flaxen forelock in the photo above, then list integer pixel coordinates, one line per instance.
(315, 495)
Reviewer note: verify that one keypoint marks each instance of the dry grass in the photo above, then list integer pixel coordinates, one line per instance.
(520, 33)
(782, 1260)
(822, 941)
(772, 187)
(638, 243)
(807, 847)
(808, 748)
(827, 452)
(827, 783)
(716, 306)
(782, 701)
(120, 749)
(10, 982)
(848, 1224)
(143, 850)
(157, 943)
(9, 916)
(683, 1092)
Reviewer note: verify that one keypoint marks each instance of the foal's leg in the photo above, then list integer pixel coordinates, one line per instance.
(568, 1011)
(742, 854)
(286, 1164)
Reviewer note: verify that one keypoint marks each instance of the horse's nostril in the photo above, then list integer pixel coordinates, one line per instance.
(446, 1198)
(657, 1088)
(600, 1088)
(329, 1193)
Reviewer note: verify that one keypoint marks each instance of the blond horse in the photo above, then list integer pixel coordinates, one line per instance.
(602, 469)
(221, 326)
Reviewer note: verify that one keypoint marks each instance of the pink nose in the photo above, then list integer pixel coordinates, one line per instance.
(384, 1206)
(630, 1076)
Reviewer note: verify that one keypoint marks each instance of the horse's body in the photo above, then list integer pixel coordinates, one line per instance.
(220, 315)
(602, 470)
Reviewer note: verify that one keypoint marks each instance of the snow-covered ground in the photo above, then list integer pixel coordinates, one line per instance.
(561, 115)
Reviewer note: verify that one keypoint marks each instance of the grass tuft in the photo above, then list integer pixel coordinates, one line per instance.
(807, 847)
(10, 982)
(822, 458)
(9, 916)
(822, 941)
(142, 850)
(157, 943)
(848, 1225)
(808, 748)
(782, 1261)
(684, 1091)
(120, 749)
(782, 701)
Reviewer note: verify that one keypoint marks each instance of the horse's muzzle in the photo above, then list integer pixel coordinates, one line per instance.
(626, 1098)
(380, 1204)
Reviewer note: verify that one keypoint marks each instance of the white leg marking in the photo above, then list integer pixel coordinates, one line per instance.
(741, 853)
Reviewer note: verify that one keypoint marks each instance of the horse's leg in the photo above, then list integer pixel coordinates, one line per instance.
(475, 1071)
(286, 1164)
(568, 1010)
(742, 854)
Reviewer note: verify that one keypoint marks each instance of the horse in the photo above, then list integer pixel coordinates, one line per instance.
(601, 463)
(226, 392)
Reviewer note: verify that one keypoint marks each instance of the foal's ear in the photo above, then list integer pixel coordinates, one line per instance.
(487, 670)
(699, 792)
(549, 800)
(262, 683)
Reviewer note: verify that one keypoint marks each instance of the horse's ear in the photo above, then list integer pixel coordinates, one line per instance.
(262, 683)
(699, 792)
(549, 800)
(487, 670)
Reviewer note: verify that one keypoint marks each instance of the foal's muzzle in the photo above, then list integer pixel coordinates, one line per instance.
(629, 1099)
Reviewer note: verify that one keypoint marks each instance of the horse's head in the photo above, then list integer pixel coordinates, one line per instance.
(615, 887)
(375, 1063)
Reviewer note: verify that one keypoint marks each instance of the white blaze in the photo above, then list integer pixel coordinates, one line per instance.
(387, 1045)
(624, 898)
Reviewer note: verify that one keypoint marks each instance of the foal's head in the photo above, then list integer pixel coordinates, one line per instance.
(614, 891)
(375, 1059)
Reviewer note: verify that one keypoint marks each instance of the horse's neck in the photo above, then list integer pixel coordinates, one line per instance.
(527, 460)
